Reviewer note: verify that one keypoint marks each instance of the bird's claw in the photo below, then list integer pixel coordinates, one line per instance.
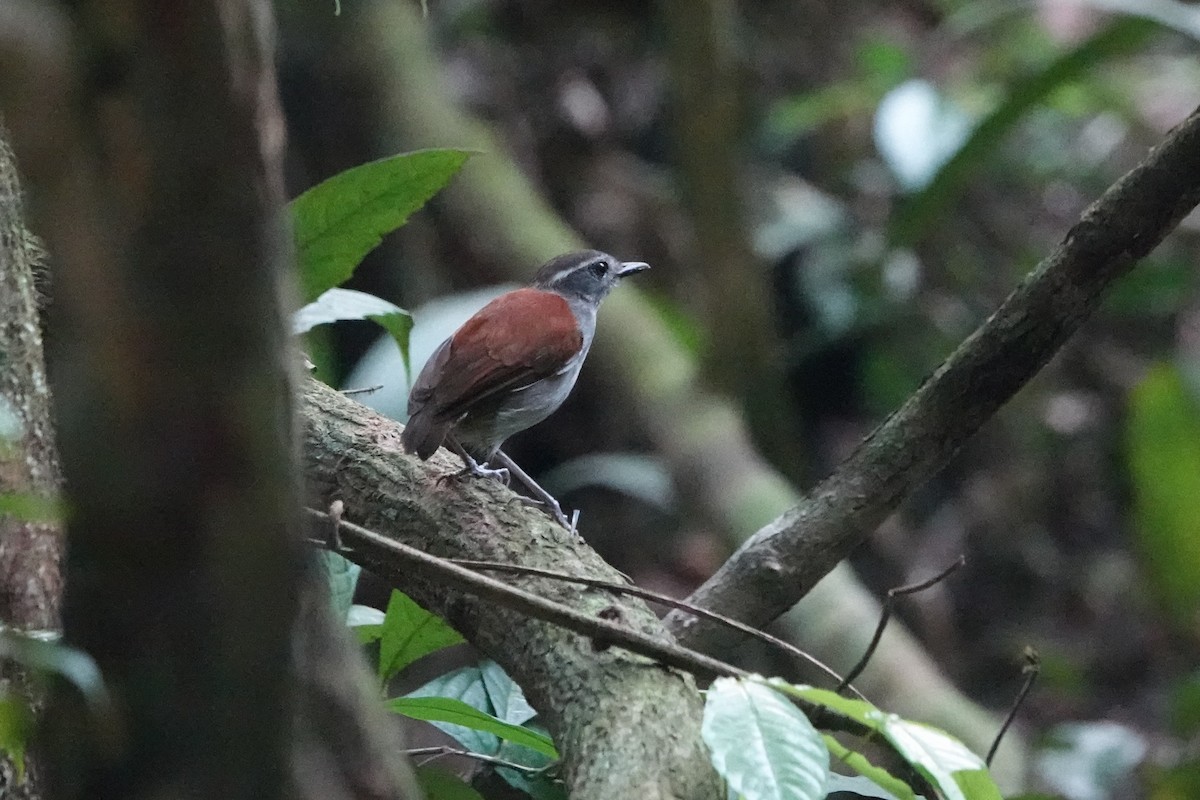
(477, 470)
(555, 512)
(484, 471)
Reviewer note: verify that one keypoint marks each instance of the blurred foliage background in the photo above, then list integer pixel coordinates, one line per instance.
(832, 196)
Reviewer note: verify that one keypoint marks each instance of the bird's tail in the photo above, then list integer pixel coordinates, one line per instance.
(423, 435)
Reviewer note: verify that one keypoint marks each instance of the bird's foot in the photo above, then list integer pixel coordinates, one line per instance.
(555, 512)
(477, 470)
(473, 469)
(540, 496)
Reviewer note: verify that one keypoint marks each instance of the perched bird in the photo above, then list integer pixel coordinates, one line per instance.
(510, 366)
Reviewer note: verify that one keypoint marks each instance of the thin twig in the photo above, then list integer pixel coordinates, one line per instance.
(361, 541)
(666, 600)
(376, 551)
(336, 509)
(886, 614)
(1032, 668)
(441, 751)
(362, 390)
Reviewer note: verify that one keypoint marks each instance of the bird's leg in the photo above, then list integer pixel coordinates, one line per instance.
(541, 496)
(473, 467)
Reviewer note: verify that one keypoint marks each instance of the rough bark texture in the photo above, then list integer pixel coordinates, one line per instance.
(627, 727)
(158, 195)
(342, 743)
(30, 550)
(30, 581)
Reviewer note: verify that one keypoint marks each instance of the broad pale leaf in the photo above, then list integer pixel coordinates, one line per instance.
(761, 744)
(341, 576)
(346, 304)
(943, 760)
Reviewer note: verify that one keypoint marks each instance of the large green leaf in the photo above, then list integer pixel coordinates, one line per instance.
(465, 684)
(1163, 445)
(438, 784)
(761, 744)
(456, 712)
(340, 220)
(956, 772)
(892, 786)
(410, 632)
(857, 710)
(346, 304)
(487, 687)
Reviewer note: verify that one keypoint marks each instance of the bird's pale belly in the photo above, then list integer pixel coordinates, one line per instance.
(483, 435)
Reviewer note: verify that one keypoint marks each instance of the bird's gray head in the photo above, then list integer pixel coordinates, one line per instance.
(588, 275)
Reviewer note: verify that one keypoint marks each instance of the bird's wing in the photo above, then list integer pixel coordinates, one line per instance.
(515, 340)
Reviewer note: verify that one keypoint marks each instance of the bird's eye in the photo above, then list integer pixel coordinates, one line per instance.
(599, 269)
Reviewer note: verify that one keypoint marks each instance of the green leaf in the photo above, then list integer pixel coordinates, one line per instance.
(410, 632)
(47, 655)
(367, 623)
(877, 775)
(340, 220)
(1163, 445)
(456, 712)
(920, 210)
(943, 760)
(487, 687)
(761, 744)
(858, 710)
(346, 304)
(540, 785)
(956, 772)
(16, 723)
(505, 696)
(438, 784)
(465, 684)
(341, 576)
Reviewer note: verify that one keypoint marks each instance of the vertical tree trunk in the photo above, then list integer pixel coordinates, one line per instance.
(30, 548)
(161, 205)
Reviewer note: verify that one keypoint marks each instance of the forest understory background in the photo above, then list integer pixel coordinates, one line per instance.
(782, 163)
(1043, 502)
(832, 196)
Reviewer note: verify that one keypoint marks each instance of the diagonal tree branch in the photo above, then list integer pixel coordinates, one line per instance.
(780, 563)
(604, 705)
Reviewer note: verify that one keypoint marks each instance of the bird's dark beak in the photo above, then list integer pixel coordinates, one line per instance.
(631, 268)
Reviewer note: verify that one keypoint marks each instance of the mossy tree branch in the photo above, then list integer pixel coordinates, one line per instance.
(627, 727)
